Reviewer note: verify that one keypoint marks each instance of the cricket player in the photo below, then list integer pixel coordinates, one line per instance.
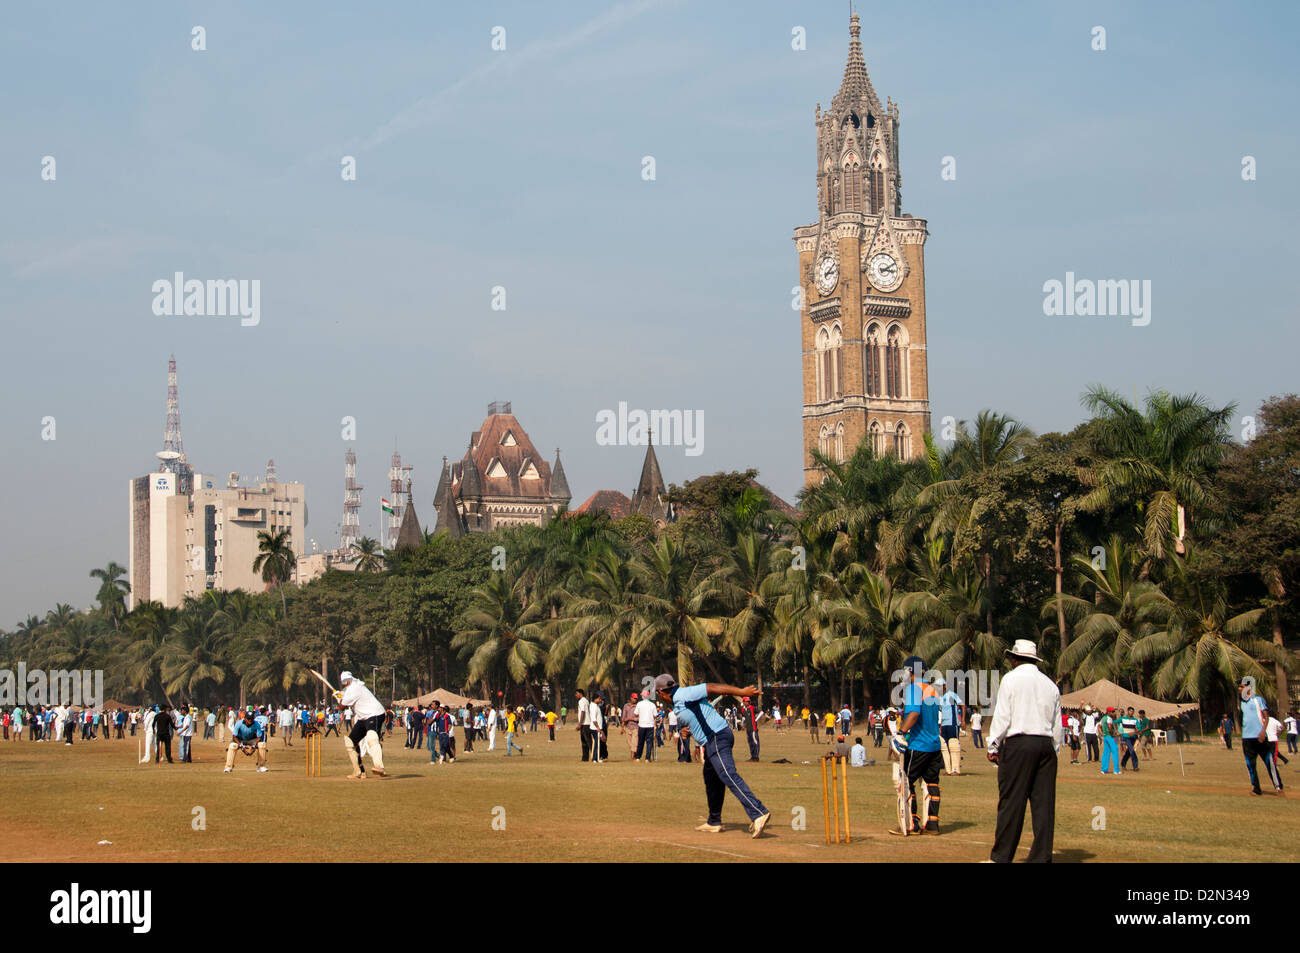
(922, 760)
(710, 731)
(247, 736)
(367, 722)
(951, 711)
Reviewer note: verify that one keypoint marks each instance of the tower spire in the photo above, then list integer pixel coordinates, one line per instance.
(856, 84)
(172, 454)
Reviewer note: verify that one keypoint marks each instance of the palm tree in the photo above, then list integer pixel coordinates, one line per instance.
(1158, 461)
(997, 442)
(506, 634)
(1202, 652)
(752, 577)
(869, 624)
(113, 590)
(147, 627)
(676, 605)
(76, 646)
(596, 624)
(1120, 609)
(275, 561)
(950, 609)
(194, 656)
(369, 554)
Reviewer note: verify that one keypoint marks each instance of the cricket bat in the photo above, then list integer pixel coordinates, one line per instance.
(323, 679)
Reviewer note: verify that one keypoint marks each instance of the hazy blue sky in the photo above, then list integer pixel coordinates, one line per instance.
(522, 169)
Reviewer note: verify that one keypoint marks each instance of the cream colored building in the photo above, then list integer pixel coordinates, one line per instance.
(184, 545)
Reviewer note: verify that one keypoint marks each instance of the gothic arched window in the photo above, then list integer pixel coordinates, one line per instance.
(877, 187)
(872, 348)
(839, 442)
(852, 183)
(896, 384)
(877, 434)
(836, 389)
(902, 441)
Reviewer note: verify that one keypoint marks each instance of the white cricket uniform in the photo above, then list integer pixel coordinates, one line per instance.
(361, 700)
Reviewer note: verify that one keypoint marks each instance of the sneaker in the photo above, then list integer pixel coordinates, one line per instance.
(227, 771)
(1257, 793)
(262, 769)
(759, 824)
(379, 772)
(708, 828)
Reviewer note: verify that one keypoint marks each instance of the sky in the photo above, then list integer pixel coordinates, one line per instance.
(522, 169)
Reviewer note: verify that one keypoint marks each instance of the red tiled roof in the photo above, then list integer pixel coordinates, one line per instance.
(488, 452)
(616, 504)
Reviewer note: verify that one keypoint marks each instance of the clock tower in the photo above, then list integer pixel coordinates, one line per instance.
(862, 282)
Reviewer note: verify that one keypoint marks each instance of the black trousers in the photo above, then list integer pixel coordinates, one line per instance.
(585, 734)
(1094, 750)
(644, 742)
(1026, 772)
(752, 737)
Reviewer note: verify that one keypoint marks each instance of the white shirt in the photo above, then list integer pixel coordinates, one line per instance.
(976, 721)
(1090, 724)
(1272, 728)
(361, 700)
(584, 711)
(1074, 725)
(672, 718)
(1028, 704)
(187, 726)
(645, 713)
(597, 719)
(858, 756)
(284, 718)
(1290, 725)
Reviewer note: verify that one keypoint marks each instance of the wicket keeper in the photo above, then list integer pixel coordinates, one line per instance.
(247, 736)
(710, 731)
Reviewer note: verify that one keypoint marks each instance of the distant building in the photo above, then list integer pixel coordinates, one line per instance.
(500, 481)
(185, 544)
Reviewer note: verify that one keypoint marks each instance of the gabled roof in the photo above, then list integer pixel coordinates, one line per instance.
(499, 455)
(616, 504)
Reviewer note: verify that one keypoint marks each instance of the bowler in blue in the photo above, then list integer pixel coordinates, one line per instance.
(711, 733)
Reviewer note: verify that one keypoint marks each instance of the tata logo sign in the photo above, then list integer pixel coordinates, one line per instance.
(162, 483)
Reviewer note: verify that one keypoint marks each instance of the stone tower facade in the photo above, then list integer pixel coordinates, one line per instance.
(862, 278)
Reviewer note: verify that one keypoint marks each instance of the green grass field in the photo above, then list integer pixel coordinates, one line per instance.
(57, 803)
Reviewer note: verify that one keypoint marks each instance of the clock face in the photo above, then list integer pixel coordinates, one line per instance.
(828, 274)
(885, 273)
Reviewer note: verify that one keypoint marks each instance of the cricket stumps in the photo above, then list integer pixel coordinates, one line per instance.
(835, 788)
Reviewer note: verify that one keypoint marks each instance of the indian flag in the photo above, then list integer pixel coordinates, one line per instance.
(385, 505)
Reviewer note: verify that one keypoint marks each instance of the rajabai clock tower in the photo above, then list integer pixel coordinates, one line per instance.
(862, 272)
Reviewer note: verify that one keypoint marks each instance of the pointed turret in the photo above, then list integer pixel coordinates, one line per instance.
(559, 482)
(856, 84)
(444, 503)
(471, 484)
(648, 499)
(409, 535)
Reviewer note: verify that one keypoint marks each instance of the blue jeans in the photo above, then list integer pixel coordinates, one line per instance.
(720, 775)
(1109, 754)
(510, 743)
(185, 747)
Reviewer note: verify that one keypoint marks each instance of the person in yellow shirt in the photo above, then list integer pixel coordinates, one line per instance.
(550, 723)
(829, 722)
(512, 719)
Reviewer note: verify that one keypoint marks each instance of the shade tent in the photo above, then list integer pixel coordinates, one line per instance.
(1106, 694)
(442, 697)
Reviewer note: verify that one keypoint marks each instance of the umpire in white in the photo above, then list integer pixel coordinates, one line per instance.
(1023, 742)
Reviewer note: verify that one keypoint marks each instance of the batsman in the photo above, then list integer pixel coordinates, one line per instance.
(367, 722)
(920, 759)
